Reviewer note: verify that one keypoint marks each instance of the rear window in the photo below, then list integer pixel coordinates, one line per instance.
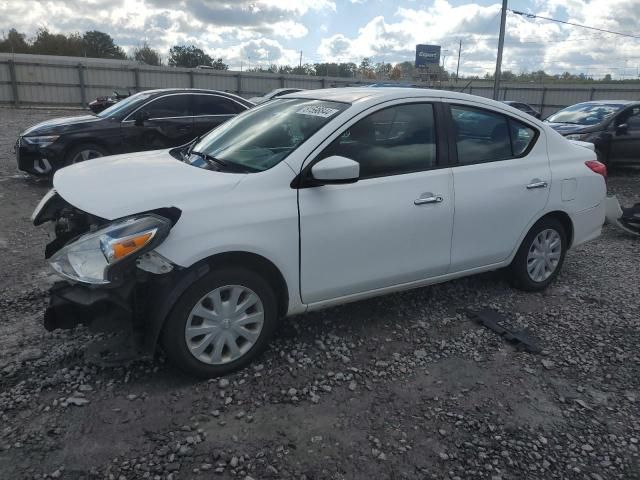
(486, 136)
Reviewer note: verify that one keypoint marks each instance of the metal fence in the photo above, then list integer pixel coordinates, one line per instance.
(30, 80)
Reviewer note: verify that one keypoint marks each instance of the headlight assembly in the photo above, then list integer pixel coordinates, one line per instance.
(43, 141)
(92, 257)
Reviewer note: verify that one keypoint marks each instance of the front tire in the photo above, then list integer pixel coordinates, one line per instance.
(540, 256)
(221, 323)
(84, 152)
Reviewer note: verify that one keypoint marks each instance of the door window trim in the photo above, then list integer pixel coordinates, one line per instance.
(443, 159)
(451, 129)
(128, 118)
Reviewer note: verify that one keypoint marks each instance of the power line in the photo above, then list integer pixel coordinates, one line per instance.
(531, 15)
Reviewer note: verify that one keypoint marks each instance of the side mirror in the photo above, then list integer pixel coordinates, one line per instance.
(335, 170)
(622, 128)
(140, 117)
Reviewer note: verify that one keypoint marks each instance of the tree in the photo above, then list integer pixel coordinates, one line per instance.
(396, 73)
(147, 55)
(101, 45)
(607, 77)
(46, 43)
(366, 70)
(218, 64)
(188, 56)
(14, 42)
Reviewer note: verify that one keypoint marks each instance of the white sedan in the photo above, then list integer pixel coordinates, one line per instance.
(312, 200)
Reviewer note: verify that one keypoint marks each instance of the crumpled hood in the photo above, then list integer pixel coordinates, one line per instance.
(62, 124)
(121, 185)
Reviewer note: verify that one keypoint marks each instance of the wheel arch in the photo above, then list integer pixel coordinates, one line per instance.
(565, 221)
(169, 288)
(258, 264)
(85, 141)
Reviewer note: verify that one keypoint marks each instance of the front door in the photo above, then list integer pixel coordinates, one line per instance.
(501, 182)
(169, 124)
(394, 225)
(625, 140)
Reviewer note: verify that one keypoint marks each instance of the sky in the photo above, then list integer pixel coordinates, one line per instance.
(258, 32)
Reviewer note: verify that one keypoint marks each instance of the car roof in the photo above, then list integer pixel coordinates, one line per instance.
(357, 94)
(612, 102)
(160, 91)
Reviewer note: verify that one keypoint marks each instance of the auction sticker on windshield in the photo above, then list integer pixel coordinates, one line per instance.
(317, 111)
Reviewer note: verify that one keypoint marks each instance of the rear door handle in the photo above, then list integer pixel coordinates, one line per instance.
(427, 198)
(536, 184)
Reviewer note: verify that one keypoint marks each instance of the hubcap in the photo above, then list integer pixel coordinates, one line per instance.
(544, 255)
(86, 155)
(224, 324)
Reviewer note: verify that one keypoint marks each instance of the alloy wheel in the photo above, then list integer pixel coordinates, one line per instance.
(83, 155)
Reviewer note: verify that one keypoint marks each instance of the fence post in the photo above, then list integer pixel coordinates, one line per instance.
(324, 82)
(504, 94)
(136, 74)
(191, 81)
(593, 90)
(83, 91)
(281, 82)
(14, 83)
(239, 86)
(544, 94)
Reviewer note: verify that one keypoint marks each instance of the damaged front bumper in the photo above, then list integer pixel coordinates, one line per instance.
(132, 293)
(101, 309)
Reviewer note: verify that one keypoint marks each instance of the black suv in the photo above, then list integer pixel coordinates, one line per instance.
(148, 120)
(613, 126)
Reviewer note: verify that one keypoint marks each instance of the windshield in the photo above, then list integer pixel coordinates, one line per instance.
(585, 113)
(262, 137)
(124, 105)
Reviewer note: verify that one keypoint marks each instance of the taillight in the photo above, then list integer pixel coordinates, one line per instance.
(597, 167)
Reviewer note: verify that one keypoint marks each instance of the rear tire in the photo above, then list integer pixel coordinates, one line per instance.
(540, 256)
(210, 332)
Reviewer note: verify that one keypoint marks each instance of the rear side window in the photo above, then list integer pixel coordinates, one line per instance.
(485, 136)
(215, 105)
(170, 106)
(392, 141)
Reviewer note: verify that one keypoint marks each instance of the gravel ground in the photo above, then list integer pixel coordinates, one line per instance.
(403, 386)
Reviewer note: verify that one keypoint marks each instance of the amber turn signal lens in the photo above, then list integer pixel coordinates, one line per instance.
(126, 246)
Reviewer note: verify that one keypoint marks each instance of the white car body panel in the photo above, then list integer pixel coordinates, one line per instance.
(361, 239)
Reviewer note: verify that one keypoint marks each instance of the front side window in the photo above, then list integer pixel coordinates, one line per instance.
(631, 118)
(485, 136)
(124, 106)
(170, 106)
(392, 141)
(215, 105)
(263, 136)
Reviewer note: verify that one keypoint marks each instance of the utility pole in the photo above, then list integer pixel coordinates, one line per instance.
(458, 67)
(300, 66)
(496, 80)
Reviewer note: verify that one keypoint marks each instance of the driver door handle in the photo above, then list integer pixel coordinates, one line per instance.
(536, 183)
(428, 198)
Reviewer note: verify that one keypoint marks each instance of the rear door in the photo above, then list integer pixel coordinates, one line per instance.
(501, 182)
(625, 142)
(212, 110)
(169, 124)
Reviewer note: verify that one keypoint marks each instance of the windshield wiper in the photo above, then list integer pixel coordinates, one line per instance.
(213, 161)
